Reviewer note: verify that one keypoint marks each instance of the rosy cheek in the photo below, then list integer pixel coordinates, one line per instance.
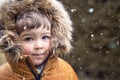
(26, 49)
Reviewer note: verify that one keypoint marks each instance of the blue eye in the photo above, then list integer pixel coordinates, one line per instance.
(45, 37)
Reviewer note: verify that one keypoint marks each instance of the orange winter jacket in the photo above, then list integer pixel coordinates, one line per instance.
(55, 69)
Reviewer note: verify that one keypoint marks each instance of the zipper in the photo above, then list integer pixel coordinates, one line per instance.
(37, 76)
(32, 70)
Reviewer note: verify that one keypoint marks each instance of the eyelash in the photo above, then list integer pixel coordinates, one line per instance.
(30, 38)
(46, 37)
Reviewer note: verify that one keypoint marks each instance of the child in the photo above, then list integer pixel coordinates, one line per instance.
(33, 34)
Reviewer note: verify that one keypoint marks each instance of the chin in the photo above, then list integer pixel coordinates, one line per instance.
(37, 62)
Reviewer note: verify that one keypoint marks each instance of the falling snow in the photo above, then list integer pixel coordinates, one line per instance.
(97, 38)
(96, 52)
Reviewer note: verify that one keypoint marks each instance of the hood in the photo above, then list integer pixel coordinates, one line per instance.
(61, 26)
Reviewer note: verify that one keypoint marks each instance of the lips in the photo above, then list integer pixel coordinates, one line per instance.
(40, 55)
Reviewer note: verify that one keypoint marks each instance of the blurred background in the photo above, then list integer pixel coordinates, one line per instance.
(96, 53)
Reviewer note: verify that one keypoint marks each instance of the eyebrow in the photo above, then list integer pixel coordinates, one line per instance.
(46, 33)
(43, 33)
(26, 34)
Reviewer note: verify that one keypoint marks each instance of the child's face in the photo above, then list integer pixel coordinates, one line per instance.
(36, 44)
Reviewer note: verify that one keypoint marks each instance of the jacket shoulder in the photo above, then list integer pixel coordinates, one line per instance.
(64, 63)
(4, 67)
(66, 68)
(5, 71)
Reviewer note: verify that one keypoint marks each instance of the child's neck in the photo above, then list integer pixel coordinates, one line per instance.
(40, 67)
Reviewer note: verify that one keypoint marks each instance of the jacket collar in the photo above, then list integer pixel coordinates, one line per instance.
(25, 68)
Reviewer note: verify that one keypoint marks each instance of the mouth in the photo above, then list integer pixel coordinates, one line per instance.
(37, 54)
(40, 55)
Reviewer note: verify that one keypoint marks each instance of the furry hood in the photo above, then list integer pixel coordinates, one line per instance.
(62, 25)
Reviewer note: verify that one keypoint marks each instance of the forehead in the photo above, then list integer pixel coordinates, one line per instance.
(41, 29)
(37, 31)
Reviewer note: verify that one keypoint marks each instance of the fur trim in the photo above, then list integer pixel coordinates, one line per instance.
(62, 25)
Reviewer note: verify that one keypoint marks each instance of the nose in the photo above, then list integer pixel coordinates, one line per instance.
(38, 45)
